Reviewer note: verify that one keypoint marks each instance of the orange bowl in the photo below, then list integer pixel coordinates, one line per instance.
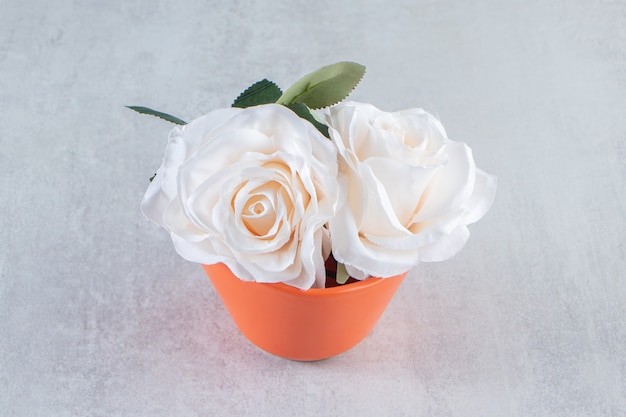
(303, 325)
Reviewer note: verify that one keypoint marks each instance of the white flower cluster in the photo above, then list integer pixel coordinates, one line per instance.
(264, 192)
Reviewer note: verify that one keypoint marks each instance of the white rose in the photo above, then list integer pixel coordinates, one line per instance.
(252, 188)
(410, 190)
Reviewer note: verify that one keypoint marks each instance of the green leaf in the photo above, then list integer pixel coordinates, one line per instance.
(325, 86)
(304, 112)
(342, 273)
(164, 116)
(261, 92)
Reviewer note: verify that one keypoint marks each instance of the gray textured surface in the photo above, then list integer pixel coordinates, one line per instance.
(99, 316)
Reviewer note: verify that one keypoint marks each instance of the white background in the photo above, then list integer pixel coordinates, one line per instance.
(100, 317)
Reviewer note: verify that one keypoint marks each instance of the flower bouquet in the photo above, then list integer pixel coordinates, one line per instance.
(295, 203)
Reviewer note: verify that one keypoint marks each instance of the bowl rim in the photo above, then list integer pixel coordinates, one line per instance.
(319, 292)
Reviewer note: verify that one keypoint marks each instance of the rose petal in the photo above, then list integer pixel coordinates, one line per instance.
(360, 253)
(155, 201)
(451, 186)
(482, 197)
(446, 247)
(403, 200)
